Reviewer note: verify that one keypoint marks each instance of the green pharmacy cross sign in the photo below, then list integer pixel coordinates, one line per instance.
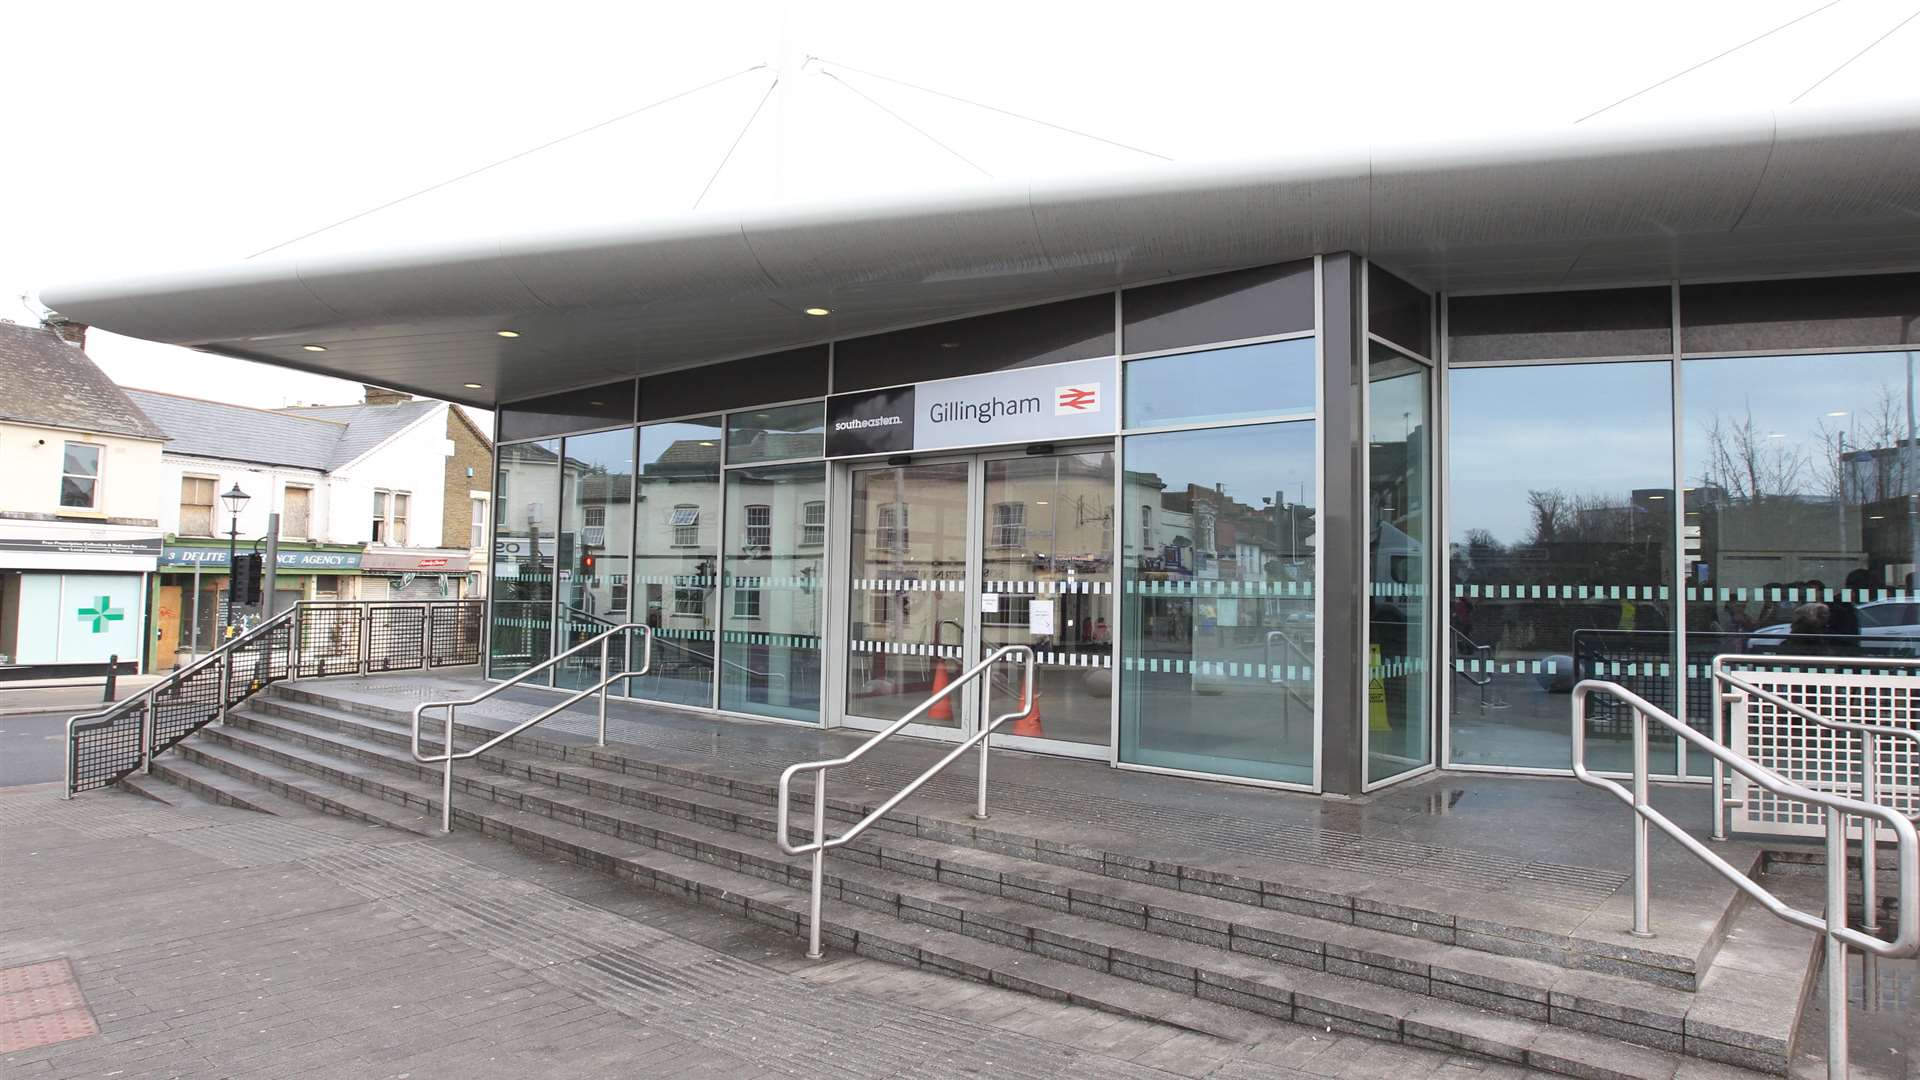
(101, 613)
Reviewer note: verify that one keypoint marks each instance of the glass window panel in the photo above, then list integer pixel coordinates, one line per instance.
(674, 566)
(908, 569)
(781, 434)
(1560, 326)
(1220, 307)
(1052, 561)
(1399, 714)
(1560, 533)
(1802, 499)
(1048, 334)
(1218, 640)
(525, 486)
(1221, 384)
(595, 545)
(1399, 312)
(1807, 313)
(770, 659)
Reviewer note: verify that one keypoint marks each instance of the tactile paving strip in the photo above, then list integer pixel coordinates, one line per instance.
(41, 1004)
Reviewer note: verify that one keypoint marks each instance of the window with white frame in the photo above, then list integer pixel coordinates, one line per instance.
(1009, 525)
(80, 476)
(402, 502)
(380, 500)
(296, 512)
(1146, 529)
(685, 522)
(813, 523)
(477, 537)
(879, 609)
(690, 602)
(890, 526)
(196, 505)
(759, 526)
(618, 599)
(746, 603)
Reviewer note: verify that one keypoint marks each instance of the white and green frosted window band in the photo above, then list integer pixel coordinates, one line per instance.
(1563, 592)
(778, 641)
(1218, 669)
(1242, 590)
(1044, 588)
(907, 648)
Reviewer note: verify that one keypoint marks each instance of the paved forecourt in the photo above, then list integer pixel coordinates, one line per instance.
(206, 940)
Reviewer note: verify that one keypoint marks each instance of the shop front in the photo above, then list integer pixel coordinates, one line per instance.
(191, 607)
(73, 600)
(413, 574)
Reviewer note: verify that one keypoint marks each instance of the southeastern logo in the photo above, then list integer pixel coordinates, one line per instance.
(1071, 400)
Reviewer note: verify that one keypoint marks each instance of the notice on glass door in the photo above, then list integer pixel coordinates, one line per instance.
(989, 603)
(1040, 618)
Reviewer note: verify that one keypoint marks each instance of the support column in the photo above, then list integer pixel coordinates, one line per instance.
(1341, 527)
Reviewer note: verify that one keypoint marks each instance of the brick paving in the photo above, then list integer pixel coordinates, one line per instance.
(218, 942)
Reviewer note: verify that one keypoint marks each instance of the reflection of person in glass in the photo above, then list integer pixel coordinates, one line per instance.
(1808, 635)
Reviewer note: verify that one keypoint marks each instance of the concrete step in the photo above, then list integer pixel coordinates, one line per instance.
(1269, 885)
(1517, 985)
(1248, 978)
(208, 753)
(162, 790)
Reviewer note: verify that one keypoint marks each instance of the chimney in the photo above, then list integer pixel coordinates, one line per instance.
(73, 333)
(377, 396)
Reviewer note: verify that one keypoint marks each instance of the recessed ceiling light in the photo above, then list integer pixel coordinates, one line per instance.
(1838, 412)
(471, 385)
(704, 442)
(508, 333)
(819, 311)
(1776, 434)
(314, 348)
(949, 344)
(1656, 498)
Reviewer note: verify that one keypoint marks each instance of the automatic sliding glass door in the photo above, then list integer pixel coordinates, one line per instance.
(907, 592)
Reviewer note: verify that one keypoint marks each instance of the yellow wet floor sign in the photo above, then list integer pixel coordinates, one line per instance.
(1376, 692)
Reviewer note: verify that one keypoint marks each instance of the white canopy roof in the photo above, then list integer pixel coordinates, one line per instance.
(1789, 192)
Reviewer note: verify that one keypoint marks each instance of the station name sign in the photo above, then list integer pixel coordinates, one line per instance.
(1042, 404)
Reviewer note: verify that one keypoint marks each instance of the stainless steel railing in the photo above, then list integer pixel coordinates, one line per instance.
(821, 843)
(755, 673)
(1833, 924)
(607, 678)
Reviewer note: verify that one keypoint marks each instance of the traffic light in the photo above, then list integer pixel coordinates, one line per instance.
(246, 580)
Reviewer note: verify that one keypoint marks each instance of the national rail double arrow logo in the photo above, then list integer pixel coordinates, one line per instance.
(1069, 400)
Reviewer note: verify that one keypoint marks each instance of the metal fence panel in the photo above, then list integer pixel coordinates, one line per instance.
(185, 705)
(330, 640)
(456, 632)
(109, 748)
(396, 637)
(1819, 757)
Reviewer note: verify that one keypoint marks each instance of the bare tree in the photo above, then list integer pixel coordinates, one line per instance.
(1749, 462)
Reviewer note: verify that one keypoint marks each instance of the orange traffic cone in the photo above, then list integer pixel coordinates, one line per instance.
(942, 710)
(1029, 723)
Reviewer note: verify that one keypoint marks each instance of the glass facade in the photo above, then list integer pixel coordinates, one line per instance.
(676, 554)
(1217, 583)
(526, 487)
(1399, 543)
(774, 598)
(1591, 528)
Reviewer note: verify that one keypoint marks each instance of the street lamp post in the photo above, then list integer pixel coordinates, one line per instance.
(236, 501)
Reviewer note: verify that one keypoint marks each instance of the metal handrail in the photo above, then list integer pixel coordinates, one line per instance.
(1838, 808)
(671, 644)
(103, 717)
(1483, 652)
(821, 842)
(452, 706)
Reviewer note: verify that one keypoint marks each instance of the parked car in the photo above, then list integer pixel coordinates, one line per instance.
(1889, 627)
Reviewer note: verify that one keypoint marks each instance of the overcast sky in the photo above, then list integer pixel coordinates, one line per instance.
(146, 135)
